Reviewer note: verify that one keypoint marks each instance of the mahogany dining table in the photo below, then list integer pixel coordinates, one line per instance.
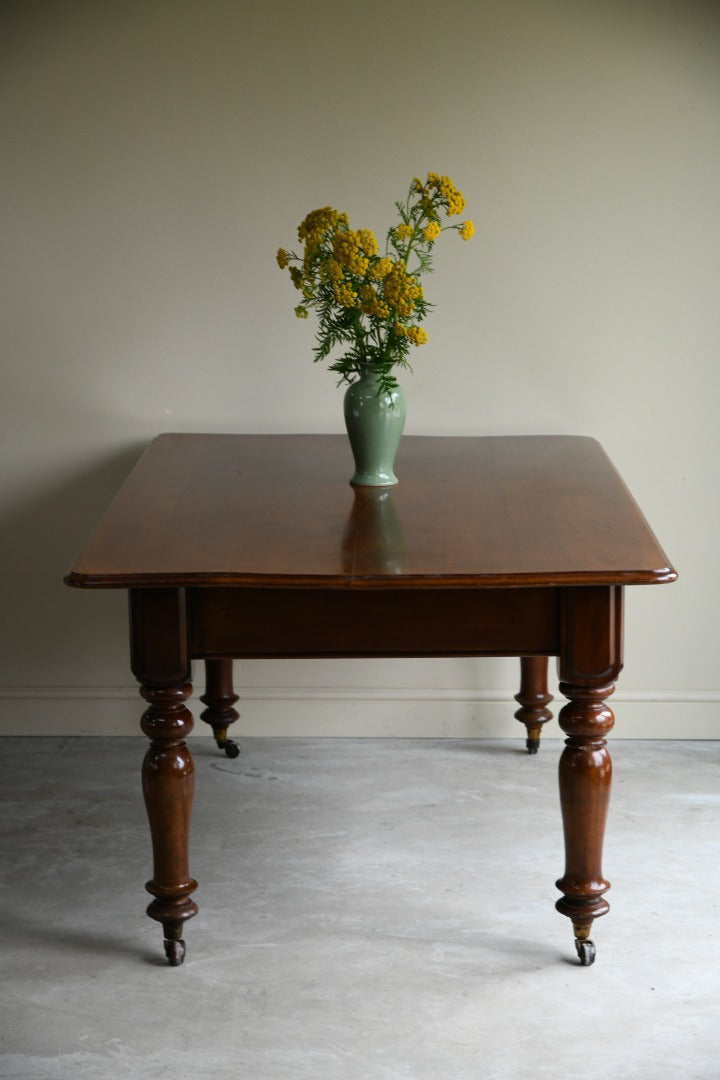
(256, 546)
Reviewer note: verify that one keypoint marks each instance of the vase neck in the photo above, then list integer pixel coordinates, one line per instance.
(368, 375)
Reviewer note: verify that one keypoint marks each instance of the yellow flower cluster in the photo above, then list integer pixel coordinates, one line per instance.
(381, 268)
(350, 248)
(344, 295)
(334, 270)
(454, 200)
(371, 304)
(415, 334)
(317, 222)
(366, 300)
(401, 290)
(367, 241)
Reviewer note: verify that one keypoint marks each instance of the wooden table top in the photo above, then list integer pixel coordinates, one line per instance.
(278, 511)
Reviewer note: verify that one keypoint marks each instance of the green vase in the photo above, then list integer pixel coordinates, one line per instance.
(375, 423)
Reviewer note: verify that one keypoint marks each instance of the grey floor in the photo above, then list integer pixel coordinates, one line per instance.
(375, 909)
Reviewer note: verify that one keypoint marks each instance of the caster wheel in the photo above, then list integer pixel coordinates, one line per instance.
(232, 750)
(586, 952)
(175, 951)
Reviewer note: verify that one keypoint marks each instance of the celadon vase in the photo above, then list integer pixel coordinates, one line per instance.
(374, 422)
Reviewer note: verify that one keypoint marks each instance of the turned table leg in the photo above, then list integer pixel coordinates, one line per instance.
(590, 661)
(168, 781)
(533, 699)
(220, 698)
(585, 777)
(160, 662)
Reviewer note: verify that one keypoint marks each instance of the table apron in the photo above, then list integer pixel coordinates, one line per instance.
(297, 622)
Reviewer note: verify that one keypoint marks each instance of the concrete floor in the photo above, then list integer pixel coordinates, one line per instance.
(369, 910)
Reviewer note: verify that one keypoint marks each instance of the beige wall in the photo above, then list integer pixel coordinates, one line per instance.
(157, 153)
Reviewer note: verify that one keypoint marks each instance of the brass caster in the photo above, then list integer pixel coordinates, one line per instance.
(586, 951)
(175, 951)
(231, 748)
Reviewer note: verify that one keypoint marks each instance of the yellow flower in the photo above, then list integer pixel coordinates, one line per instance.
(456, 204)
(282, 258)
(368, 243)
(403, 232)
(467, 230)
(381, 268)
(416, 335)
(344, 295)
(347, 249)
(371, 304)
(454, 198)
(447, 193)
(296, 277)
(401, 290)
(334, 270)
(301, 312)
(316, 223)
(432, 231)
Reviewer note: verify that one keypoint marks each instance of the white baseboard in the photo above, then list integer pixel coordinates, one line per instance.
(353, 712)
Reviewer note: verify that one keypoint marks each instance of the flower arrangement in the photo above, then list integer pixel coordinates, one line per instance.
(369, 305)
